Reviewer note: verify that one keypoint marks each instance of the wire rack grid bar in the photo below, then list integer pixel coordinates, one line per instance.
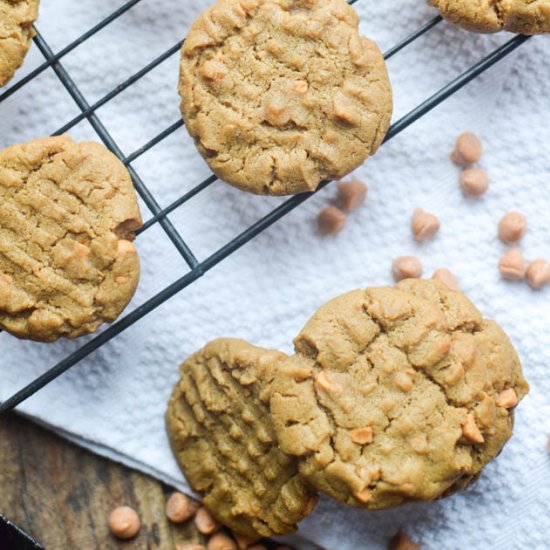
(199, 269)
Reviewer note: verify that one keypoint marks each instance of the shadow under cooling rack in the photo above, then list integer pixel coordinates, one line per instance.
(197, 269)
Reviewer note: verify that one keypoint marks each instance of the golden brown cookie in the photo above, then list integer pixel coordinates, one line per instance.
(220, 431)
(282, 94)
(397, 394)
(68, 212)
(521, 16)
(16, 20)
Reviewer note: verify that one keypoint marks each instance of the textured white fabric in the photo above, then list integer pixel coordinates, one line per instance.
(114, 401)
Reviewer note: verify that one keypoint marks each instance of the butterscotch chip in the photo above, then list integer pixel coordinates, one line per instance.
(512, 227)
(221, 541)
(426, 440)
(68, 212)
(352, 194)
(205, 522)
(406, 267)
(16, 32)
(221, 433)
(245, 542)
(179, 508)
(507, 398)
(468, 149)
(471, 431)
(424, 225)
(444, 276)
(331, 221)
(400, 541)
(521, 16)
(474, 182)
(538, 274)
(512, 265)
(124, 523)
(280, 96)
(190, 546)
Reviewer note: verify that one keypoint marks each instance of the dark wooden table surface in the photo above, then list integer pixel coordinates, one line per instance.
(62, 495)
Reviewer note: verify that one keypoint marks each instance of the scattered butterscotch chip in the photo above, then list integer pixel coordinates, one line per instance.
(538, 274)
(205, 523)
(548, 444)
(424, 225)
(124, 522)
(512, 265)
(400, 541)
(244, 542)
(190, 546)
(512, 227)
(331, 220)
(406, 267)
(474, 182)
(361, 436)
(468, 149)
(471, 431)
(352, 194)
(444, 276)
(221, 541)
(179, 508)
(507, 399)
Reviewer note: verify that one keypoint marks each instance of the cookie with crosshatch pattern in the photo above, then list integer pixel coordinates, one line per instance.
(220, 430)
(396, 394)
(68, 213)
(16, 20)
(521, 16)
(282, 94)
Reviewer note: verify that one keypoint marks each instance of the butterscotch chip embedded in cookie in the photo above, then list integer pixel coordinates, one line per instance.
(282, 94)
(68, 213)
(16, 20)
(521, 16)
(416, 395)
(221, 433)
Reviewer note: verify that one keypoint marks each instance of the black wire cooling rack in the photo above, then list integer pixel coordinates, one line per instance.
(198, 269)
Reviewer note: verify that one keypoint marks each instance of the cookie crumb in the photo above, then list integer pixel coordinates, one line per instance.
(468, 149)
(445, 276)
(474, 182)
(400, 541)
(406, 267)
(205, 523)
(512, 227)
(352, 194)
(124, 523)
(331, 221)
(179, 508)
(512, 265)
(538, 274)
(221, 541)
(424, 225)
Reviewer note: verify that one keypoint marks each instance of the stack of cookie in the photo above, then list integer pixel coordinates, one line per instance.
(393, 395)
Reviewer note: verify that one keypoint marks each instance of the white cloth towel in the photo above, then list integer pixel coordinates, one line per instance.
(113, 402)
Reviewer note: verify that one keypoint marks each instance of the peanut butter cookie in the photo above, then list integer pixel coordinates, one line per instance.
(220, 431)
(396, 394)
(282, 94)
(16, 20)
(67, 215)
(521, 16)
